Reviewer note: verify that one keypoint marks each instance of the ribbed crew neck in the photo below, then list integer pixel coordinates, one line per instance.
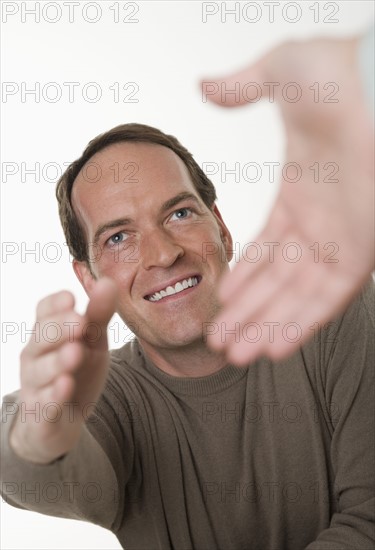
(194, 386)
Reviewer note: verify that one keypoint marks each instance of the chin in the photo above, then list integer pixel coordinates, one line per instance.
(179, 337)
(179, 331)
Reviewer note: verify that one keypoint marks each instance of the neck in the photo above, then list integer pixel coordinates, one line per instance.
(191, 361)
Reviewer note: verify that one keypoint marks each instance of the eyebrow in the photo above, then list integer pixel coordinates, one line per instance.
(170, 203)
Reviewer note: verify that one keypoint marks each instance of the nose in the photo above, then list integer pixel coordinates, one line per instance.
(159, 249)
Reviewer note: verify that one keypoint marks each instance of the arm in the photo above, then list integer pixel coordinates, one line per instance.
(347, 382)
(51, 446)
(330, 212)
(82, 484)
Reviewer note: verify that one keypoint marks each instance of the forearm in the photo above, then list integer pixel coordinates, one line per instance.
(81, 485)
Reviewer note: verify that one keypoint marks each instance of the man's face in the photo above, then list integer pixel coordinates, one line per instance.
(151, 233)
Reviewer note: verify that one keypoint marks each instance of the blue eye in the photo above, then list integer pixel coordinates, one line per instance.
(116, 238)
(181, 213)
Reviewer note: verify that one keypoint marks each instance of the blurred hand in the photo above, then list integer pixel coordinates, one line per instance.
(69, 373)
(330, 134)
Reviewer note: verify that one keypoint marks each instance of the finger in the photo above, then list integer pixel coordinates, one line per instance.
(44, 370)
(274, 333)
(265, 285)
(54, 303)
(101, 308)
(252, 300)
(59, 392)
(244, 86)
(259, 292)
(325, 304)
(52, 333)
(234, 282)
(241, 88)
(241, 318)
(289, 320)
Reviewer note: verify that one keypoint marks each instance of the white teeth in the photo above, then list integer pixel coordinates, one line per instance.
(178, 287)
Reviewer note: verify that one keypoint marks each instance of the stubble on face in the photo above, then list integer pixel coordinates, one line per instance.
(166, 247)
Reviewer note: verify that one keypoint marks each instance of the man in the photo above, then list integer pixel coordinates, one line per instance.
(181, 450)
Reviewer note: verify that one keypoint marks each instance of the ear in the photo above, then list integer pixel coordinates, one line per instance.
(226, 237)
(84, 275)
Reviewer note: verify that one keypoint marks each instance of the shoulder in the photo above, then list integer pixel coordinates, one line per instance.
(128, 355)
(356, 323)
(342, 350)
(128, 378)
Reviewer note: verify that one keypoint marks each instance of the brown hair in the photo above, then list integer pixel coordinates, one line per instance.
(73, 231)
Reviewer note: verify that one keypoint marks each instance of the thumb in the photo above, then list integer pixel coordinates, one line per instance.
(242, 87)
(102, 306)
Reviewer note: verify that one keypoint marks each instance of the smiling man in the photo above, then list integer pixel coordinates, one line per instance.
(162, 441)
(149, 239)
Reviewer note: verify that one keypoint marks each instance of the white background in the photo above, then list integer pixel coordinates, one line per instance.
(165, 53)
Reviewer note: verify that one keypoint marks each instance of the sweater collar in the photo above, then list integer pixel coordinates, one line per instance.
(194, 386)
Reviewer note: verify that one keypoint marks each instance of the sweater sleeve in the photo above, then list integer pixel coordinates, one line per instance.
(346, 364)
(83, 484)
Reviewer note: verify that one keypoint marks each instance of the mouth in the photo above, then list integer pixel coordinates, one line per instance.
(181, 286)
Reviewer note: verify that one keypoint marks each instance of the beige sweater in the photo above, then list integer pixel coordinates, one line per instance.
(269, 457)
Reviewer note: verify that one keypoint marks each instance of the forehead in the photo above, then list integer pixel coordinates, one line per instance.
(128, 176)
(128, 163)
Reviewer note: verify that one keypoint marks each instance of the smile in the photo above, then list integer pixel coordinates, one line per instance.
(180, 286)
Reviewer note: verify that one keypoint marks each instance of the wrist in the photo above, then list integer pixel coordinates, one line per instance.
(19, 441)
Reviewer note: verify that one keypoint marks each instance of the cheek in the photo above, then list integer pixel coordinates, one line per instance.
(118, 257)
(205, 237)
(213, 250)
(120, 268)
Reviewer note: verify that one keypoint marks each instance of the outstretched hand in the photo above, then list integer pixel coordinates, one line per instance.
(63, 371)
(318, 242)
